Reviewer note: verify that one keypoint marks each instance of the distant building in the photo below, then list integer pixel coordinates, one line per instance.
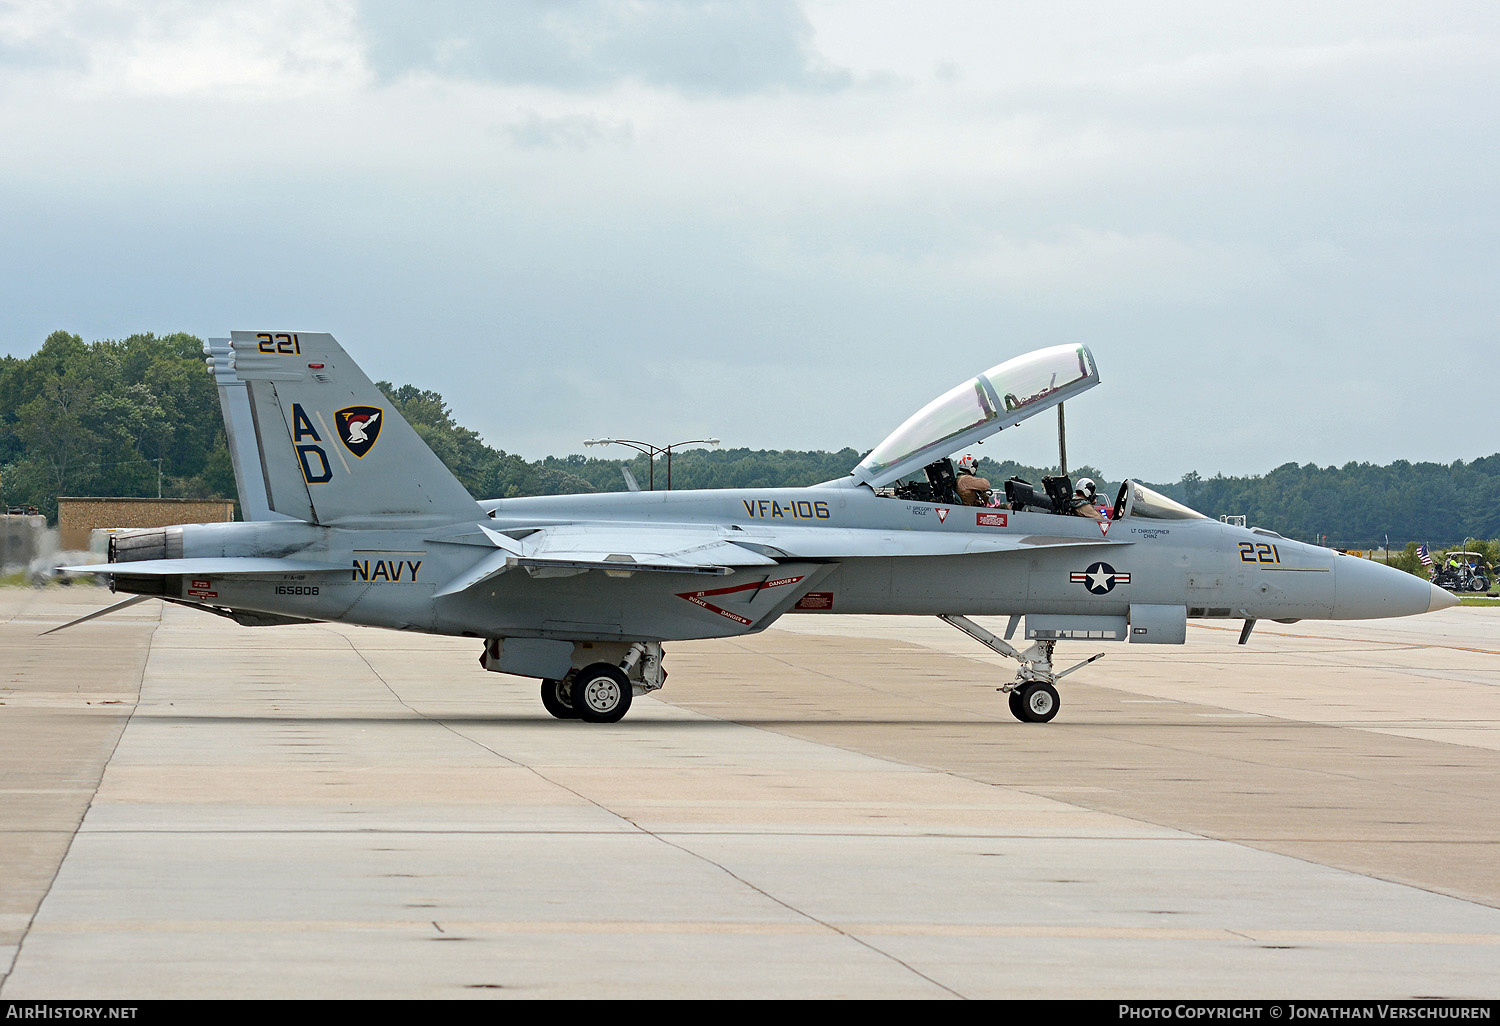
(78, 517)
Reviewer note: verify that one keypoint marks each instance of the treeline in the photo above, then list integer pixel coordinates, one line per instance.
(124, 417)
(110, 418)
(140, 416)
(1360, 505)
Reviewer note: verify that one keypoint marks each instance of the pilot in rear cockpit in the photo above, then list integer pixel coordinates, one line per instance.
(973, 490)
(1083, 502)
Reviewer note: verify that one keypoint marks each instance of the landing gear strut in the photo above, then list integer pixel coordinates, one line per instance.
(1033, 694)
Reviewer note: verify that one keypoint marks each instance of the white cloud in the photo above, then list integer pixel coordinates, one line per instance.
(877, 200)
(268, 49)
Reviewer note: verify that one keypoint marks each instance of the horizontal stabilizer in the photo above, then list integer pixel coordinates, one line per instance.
(132, 600)
(224, 566)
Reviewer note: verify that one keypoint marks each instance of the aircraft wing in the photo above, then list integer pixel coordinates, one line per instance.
(791, 542)
(223, 566)
(625, 548)
(713, 549)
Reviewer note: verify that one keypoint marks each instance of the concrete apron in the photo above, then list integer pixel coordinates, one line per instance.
(337, 812)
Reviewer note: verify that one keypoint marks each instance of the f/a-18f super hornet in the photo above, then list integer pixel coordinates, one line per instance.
(350, 517)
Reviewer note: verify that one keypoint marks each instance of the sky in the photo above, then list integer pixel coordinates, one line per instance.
(790, 225)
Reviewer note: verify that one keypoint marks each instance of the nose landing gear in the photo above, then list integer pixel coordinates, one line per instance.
(1033, 694)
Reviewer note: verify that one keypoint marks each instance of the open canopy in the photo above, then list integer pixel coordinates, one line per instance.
(1136, 500)
(1000, 397)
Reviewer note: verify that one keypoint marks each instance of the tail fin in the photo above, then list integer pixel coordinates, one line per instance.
(239, 433)
(312, 438)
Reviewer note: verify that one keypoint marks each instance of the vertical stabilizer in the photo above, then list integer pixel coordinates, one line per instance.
(314, 439)
(239, 432)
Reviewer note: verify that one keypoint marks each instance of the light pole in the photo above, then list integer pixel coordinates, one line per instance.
(652, 451)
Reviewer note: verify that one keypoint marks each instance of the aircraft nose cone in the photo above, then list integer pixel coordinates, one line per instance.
(1441, 599)
(1364, 589)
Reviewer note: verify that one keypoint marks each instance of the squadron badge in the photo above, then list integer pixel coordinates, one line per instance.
(359, 427)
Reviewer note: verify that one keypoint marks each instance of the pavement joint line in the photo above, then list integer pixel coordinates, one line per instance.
(13, 614)
(19, 946)
(1176, 836)
(883, 929)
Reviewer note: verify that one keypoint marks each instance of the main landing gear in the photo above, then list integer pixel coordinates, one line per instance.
(557, 698)
(1033, 694)
(601, 692)
(598, 693)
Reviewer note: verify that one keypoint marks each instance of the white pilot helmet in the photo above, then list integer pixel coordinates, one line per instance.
(968, 465)
(1086, 488)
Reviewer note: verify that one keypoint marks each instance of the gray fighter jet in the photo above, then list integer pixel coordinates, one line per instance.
(350, 517)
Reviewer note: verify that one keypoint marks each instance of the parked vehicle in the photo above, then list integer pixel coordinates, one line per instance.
(1463, 571)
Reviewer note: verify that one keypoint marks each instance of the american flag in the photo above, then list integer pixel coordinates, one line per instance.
(1424, 555)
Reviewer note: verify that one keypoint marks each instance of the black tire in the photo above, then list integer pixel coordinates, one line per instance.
(1016, 708)
(1479, 584)
(1039, 702)
(556, 697)
(601, 693)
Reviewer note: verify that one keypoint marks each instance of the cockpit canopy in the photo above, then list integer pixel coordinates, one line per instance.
(1136, 500)
(1001, 397)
